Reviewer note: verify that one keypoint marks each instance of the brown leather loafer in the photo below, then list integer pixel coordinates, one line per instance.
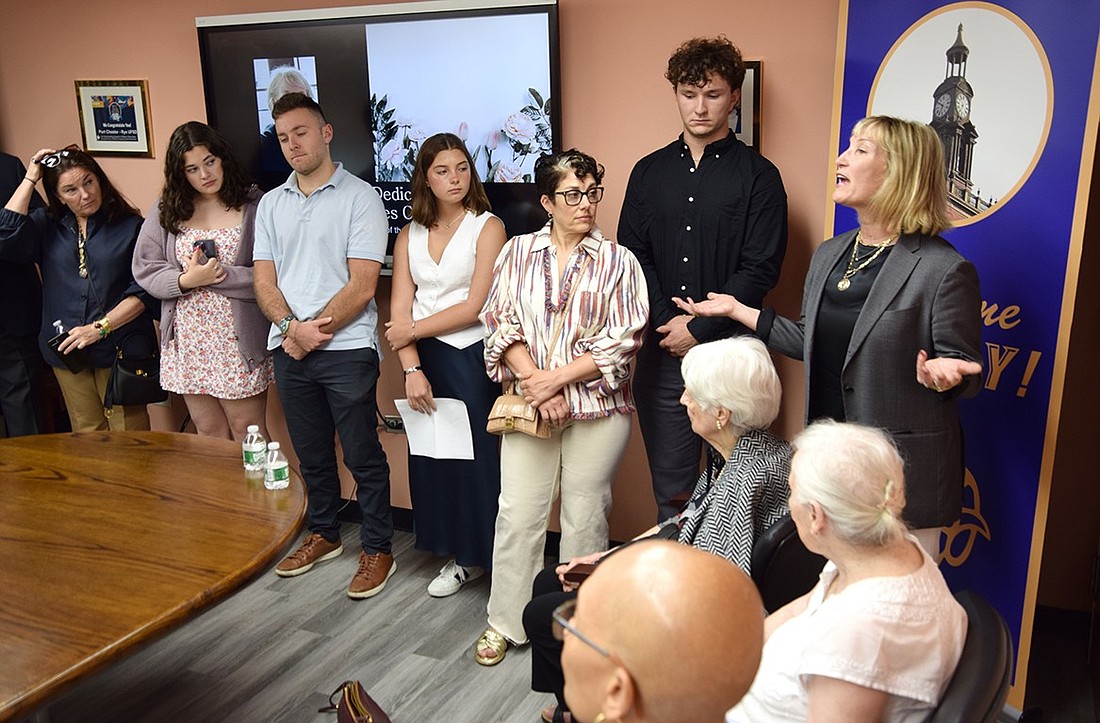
(370, 578)
(313, 550)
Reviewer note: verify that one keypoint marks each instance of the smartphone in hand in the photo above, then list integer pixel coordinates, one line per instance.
(209, 250)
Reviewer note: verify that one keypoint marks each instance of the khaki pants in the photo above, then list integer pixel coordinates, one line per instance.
(579, 461)
(83, 395)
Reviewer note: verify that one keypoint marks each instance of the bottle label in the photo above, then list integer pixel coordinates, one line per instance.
(254, 456)
(280, 474)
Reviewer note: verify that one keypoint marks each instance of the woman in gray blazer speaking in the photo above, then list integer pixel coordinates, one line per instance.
(890, 331)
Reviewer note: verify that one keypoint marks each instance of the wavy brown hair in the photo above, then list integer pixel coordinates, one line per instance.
(113, 204)
(699, 58)
(177, 202)
(424, 210)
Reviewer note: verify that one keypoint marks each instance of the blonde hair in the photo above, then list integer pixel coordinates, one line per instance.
(913, 196)
(736, 374)
(857, 476)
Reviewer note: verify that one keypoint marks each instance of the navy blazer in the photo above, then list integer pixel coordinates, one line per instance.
(926, 297)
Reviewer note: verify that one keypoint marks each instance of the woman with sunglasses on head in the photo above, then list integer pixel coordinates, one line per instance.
(442, 268)
(565, 318)
(194, 253)
(82, 242)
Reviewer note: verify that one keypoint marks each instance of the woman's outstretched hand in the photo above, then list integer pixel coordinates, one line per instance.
(714, 305)
(943, 373)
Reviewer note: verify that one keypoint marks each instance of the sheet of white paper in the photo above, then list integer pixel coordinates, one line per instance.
(443, 434)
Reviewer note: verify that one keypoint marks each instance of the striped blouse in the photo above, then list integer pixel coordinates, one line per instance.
(606, 315)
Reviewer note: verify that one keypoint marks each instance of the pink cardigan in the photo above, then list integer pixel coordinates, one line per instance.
(157, 270)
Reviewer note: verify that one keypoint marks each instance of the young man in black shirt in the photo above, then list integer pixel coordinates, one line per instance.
(703, 214)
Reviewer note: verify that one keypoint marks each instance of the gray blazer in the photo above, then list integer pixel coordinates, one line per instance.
(926, 297)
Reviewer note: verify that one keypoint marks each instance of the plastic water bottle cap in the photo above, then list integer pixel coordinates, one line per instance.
(253, 428)
(272, 445)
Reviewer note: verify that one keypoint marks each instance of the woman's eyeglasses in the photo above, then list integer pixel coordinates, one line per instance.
(573, 196)
(53, 160)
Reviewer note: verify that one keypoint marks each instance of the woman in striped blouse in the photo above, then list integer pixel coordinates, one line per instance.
(564, 319)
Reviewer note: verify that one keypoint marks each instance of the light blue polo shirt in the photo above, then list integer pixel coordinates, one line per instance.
(310, 239)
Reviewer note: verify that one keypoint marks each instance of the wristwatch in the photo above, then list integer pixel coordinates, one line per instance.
(284, 323)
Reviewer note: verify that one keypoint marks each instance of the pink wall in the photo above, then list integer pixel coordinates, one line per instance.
(615, 102)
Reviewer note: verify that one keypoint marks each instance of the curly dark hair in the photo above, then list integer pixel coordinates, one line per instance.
(113, 204)
(552, 168)
(177, 202)
(699, 58)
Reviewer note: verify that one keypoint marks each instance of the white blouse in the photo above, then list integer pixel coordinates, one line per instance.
(901, 635)
(444, 284)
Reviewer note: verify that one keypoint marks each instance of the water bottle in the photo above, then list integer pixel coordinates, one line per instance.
(277, 470)
(254, 450)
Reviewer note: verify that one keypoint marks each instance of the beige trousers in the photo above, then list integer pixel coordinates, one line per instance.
(83, 395)
(579, 462)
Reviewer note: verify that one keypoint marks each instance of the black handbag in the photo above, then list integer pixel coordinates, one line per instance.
(135, 375)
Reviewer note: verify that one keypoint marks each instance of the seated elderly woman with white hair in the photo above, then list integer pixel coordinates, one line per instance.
(732, 395)
(879, 636)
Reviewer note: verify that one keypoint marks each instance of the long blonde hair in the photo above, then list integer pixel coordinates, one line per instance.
(913, 196)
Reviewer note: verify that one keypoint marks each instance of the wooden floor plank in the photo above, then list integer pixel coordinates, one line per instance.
(277, 648)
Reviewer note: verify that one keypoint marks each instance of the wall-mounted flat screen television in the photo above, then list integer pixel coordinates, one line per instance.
(389, 76)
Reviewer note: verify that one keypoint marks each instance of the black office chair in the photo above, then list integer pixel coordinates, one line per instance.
(978, 690)
(782, 567)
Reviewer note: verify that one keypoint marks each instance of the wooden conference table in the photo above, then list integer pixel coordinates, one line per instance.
(110, 539)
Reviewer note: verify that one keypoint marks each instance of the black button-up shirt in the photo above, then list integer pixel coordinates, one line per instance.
(721, 226)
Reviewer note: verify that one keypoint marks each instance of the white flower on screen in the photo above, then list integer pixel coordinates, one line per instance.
(520, 129)
(463, 131)
(508, 172)
(392, 153)
(417, 134)
(492, 140)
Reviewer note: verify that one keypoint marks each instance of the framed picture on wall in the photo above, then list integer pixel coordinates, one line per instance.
(114, 117)
(745, 119)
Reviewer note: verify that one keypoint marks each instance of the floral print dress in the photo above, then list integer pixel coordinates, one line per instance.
(203, 358)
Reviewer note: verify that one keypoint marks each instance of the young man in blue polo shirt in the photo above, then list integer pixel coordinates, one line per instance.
(320, 244)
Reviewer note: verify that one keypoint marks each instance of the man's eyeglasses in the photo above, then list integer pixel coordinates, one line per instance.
(562, 616)
(54, 159)
(573, 196)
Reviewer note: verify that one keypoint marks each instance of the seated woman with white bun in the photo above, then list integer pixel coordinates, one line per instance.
(879, 636)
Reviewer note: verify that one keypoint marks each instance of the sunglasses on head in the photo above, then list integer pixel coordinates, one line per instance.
(53, 160)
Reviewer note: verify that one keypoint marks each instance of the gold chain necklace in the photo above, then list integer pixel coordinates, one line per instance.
(80, 239)
(845, 281)
(453, 220)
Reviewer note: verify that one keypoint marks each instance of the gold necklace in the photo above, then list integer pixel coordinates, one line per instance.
(845, 280)
(455, 219)
(80, 238)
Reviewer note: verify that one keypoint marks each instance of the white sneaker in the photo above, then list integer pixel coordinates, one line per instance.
(451, 578)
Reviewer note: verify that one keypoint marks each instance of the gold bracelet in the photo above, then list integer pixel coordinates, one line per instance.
(103, 326)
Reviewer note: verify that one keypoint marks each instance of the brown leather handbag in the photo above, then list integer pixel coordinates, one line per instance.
(354, 705)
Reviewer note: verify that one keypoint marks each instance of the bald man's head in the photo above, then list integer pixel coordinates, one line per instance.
(684, 630)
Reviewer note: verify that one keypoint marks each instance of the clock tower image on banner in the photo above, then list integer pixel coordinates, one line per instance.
(951, 105)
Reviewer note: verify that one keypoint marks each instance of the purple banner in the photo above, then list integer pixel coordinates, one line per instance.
(1007, 87)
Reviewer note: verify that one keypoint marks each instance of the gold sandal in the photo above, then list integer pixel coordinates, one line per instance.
(494, 641)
